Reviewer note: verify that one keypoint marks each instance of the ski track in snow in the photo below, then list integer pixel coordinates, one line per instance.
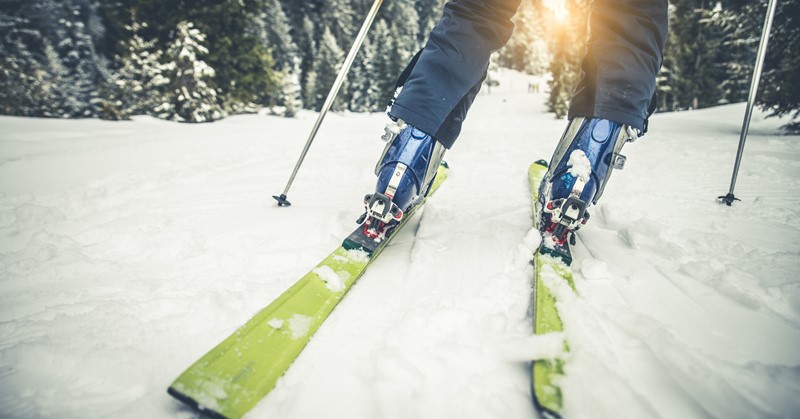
(129, 249)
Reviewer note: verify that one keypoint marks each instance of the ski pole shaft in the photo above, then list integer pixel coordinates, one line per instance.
(762, 52)
(337, 84)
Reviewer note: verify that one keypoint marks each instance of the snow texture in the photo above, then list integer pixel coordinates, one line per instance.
(579, 165)
(129, 249)
(333, 280)
(299, 325)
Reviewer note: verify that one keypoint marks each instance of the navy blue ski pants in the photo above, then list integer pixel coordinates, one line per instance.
(618, 79)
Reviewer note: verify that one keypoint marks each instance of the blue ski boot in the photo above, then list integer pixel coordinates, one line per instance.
(405, 173)
(581, 165)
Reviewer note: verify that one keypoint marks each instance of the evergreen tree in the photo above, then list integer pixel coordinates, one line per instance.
(338, 17)
(140, 77)
(308, 50)
(567, 48)
(298, 11)
(404, 30)
(363, 95)
(693, 55)
(244, 70)
(116, 16)
(79, 68)
(308, 89)
(54, 41)
(665, 79)
(384, 72)
(327, 63)
(737, 48)
(25, 84)
(278, 35)
(780, 84)
(191, 96)
(291, 90)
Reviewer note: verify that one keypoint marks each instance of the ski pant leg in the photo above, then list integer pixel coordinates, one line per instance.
(447, 74)
(624, 54)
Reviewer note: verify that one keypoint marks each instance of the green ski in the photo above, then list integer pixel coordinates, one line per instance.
(545, 372)
(230, 379)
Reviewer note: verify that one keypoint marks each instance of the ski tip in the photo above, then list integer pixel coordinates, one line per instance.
(187, 400)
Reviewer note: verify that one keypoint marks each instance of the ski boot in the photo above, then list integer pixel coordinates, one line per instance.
(581, 165)
(405, 173)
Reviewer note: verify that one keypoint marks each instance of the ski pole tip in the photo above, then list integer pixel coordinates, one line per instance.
(282, 201)
(727, 199)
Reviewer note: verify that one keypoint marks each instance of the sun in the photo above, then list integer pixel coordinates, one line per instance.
(559, 9)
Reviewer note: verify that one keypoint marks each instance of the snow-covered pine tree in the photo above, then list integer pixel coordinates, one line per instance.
(25, 84)
(291, 90)
(278, 35)
(693, 56)
(338, 17)
(404, 29)
(363, 95)
(190, 95)
(81, 70)
(781, 86)
(384, 74)
(66, 32)
(327, 63)
(297, 11)
(308, 89)
(140, 79)
(245, 76)
(738, 47)
(308, 50)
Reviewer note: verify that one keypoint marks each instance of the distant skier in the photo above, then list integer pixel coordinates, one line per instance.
(610, 106)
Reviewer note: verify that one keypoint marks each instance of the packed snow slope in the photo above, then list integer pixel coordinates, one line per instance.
(129, 249)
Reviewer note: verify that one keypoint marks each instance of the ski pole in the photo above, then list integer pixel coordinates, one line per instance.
(337, 84)
(748, 113)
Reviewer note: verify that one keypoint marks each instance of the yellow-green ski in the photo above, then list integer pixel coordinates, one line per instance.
(230, 379)
(546, 372)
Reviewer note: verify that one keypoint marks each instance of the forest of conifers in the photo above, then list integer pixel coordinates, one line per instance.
(200, 60)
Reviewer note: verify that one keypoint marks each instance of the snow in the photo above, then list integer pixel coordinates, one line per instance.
(579, 165)
(129, 249)
(299, 325)
(333, 280)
